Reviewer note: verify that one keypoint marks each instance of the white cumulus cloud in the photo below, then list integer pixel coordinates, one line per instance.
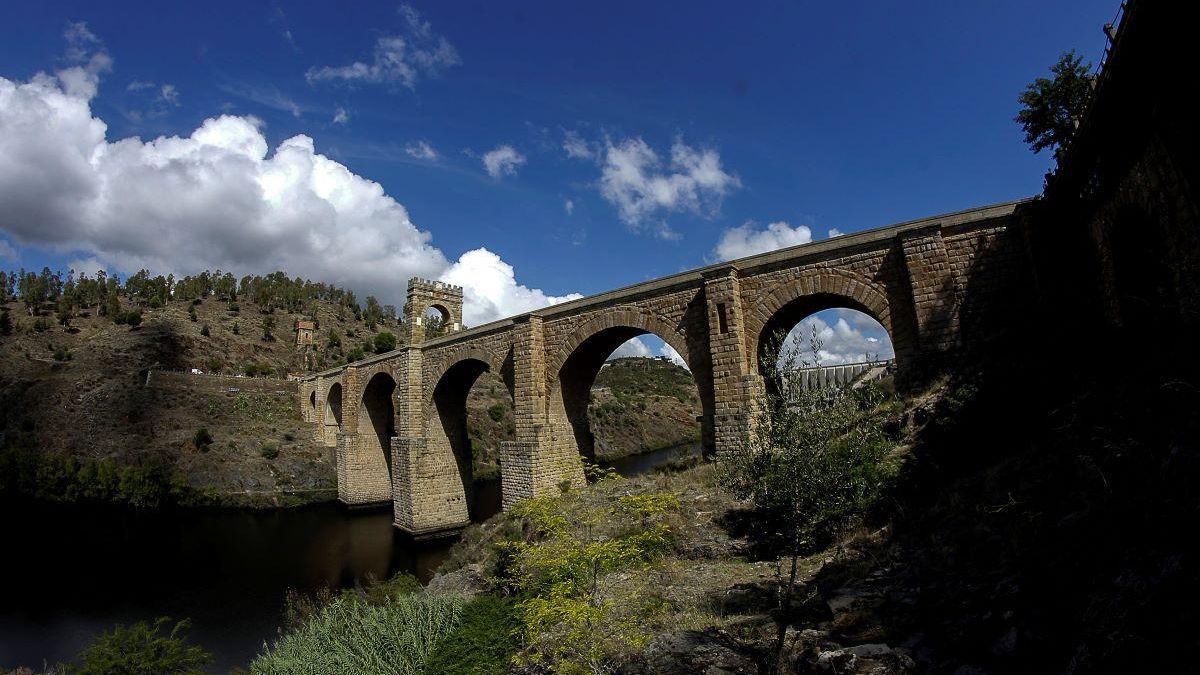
(219, 197)
(401, 59)
(746, 239)
(642, 185)
(502, 161)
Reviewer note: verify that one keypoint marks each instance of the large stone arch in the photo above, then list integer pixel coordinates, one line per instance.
(365, 453)
(332, 416)
(629, 316)
(574, 363)
(496, 363)
(817, 290)
(448, 451)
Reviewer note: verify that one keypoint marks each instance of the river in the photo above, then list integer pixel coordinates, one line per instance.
(73, 571)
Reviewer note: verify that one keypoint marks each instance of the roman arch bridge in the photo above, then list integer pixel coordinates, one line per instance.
(398, 420)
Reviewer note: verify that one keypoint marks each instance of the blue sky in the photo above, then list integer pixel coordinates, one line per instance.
(630, 140)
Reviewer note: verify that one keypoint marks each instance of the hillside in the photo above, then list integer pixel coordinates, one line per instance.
(82, 391)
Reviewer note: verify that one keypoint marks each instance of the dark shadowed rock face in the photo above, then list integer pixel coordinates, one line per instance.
(711, 652)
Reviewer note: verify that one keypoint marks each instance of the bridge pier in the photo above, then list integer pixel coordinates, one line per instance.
(733, 382)
(537, 463)
(427, 496)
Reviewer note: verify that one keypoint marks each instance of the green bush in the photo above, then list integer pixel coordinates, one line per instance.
(204, 330)
(133, 318)
(202, 439)
(484, 642)
(497, 412)
(352, 636)
(384, 342)
(142, 649)
(269, 450)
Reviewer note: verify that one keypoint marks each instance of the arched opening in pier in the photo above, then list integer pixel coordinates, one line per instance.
(377, 425)
(436, 320)
(312, 399)
(626, 398)
(472, 414)
(824, 340)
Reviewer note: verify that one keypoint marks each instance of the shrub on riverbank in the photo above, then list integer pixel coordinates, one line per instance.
(483, 643)
(350, 635)
(142, 649)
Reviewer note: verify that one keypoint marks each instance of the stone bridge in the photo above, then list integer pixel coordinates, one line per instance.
(398, 420)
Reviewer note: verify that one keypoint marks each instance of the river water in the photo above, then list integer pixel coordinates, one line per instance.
(72, 571)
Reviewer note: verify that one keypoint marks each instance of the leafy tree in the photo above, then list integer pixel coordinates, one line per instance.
(133, 318)
(237, 330)
(334, 341)
(811, 460)
(66, 310)
(384, 342)
(112, 306)
(373, 314)
(192, 313)
(1051, 107)
(143, 648)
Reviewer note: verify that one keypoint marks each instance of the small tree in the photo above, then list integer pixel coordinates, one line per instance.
(192, 313)
(268, 327)
(810, 460)
(1051, 107)
(204, 330)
